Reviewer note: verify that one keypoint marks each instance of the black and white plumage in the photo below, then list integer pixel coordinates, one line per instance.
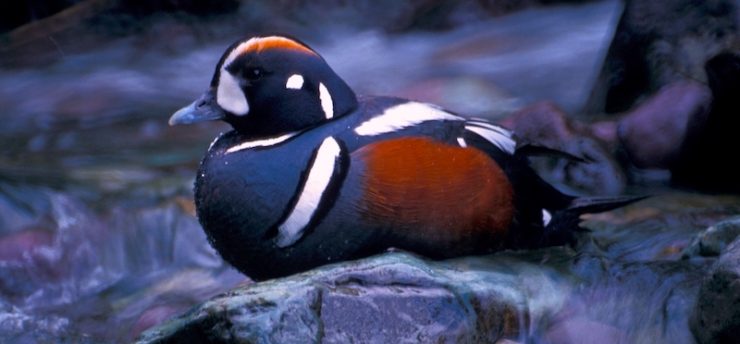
(311, 174)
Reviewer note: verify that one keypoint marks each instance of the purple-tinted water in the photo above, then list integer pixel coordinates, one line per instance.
(98, 239)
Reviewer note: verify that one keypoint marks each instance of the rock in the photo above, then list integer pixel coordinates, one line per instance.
(390, 298)
(716, 315)
(605, 132)
(659, 42)
(545, 124)
(714, 239)
(706, 160)
(654, 134)
(599, 175)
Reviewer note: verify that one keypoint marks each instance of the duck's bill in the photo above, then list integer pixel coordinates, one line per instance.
(203, 109)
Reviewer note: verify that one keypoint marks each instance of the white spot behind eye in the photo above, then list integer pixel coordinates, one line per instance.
(229, 95)
(295, 82)
(327, 104)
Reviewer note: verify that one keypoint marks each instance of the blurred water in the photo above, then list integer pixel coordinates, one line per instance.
(98, 240)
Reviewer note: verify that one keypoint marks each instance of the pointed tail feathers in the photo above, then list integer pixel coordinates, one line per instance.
(565, 222)
(585, 205)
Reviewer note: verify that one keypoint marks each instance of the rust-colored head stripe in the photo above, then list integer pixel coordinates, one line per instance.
(261, 44)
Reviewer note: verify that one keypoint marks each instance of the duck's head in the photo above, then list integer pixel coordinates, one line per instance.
(270, 85)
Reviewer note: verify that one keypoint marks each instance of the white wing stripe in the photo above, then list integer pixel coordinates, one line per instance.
(402, 116)
(498, 136)
(319, 177)
(461, 142)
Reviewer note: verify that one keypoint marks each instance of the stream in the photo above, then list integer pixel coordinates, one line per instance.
(98, 237)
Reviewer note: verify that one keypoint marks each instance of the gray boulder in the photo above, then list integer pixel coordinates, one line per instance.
(714, 240)
(393, 298)
(716, 316)
(659, 42)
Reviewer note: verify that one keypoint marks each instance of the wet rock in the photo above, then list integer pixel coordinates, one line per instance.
(654, 133)
(605, 132)
(545, 124)
(390, 298)
(542, 122)
(705, 161)
(660, 42)
(600, 174)
(714, 239)
(154, 316)
(716, 315)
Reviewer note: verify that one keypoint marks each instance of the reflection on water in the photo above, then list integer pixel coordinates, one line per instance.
(98, 240)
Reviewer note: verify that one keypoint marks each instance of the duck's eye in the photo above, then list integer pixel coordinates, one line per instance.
(253, 73)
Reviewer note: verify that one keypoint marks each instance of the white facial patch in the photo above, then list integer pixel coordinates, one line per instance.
(402, 116)
(498, 136)
(229, 95)
(327, 104)
(295, 82)
(319, 176)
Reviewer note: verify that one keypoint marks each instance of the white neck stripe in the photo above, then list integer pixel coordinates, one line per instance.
(260, 143)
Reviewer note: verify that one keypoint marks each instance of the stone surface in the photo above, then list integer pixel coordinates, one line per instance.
(715, 239)
(394, 298)
(551, 295)
(546, 124)
(655, 133)
(659, 42)
(707, 161)
(716, 316)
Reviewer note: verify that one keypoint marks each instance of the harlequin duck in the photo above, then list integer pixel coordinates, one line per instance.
(312, 174)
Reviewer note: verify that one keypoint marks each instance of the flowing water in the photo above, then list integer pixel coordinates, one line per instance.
(98, 239)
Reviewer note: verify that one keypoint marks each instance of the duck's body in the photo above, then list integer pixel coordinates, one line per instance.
(345, 178)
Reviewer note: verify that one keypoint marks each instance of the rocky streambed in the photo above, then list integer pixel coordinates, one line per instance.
(642, 276)
(99, 242)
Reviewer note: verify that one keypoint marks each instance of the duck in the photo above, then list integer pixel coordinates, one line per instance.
(313, 174)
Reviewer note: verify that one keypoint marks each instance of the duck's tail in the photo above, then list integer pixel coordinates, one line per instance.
(564, 223)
